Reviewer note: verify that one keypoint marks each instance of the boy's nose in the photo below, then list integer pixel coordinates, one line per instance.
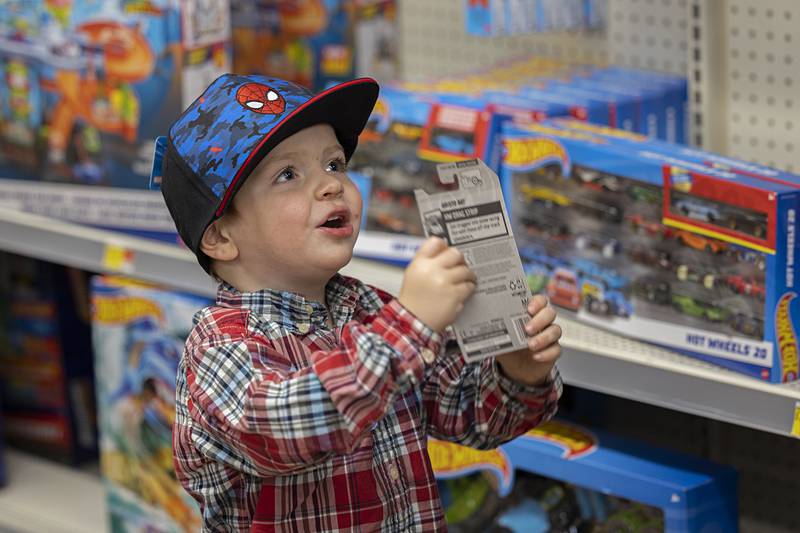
(330, 186)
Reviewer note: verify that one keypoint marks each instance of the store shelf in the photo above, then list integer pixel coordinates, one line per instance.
(45, 496)
(593, 359)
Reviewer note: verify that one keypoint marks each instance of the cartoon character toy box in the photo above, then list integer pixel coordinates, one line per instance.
(306, 41)
(693, 495)
(138, 334)
(658, 246)
(87, 85)
(406, 136)
(46, 372)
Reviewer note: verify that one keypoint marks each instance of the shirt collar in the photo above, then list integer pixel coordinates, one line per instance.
(291, 309)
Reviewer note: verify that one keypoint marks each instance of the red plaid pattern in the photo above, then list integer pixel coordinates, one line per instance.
(286, 425)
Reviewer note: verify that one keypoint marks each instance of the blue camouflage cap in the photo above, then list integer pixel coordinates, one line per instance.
(224, 134)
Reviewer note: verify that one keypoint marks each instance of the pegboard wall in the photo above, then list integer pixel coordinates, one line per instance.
(434, 43)
(641, 33)
(745, 74)
(649, 34)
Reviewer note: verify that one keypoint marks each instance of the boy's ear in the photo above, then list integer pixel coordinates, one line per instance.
(217, 242)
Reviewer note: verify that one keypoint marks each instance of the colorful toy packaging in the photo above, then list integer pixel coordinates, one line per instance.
(46, 373)
(375, 39)
(491, 18)
(564, 477)
(87, 86)
(404, 139)
(658, 242)
(138, 334)
(306, 41)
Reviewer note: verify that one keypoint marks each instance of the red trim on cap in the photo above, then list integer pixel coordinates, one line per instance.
(229, 190)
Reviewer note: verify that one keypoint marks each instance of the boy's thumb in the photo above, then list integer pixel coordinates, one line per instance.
(432, 247)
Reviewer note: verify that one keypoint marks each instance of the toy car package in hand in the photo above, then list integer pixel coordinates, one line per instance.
(473, 218)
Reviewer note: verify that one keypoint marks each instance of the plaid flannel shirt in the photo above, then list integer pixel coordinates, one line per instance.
(286, 425)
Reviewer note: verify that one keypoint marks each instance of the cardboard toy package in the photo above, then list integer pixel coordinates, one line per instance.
(614, 484)
(635, 237)
(46, 372)
(406, 136)
(306, 41)
(138, 333)
(87, 86)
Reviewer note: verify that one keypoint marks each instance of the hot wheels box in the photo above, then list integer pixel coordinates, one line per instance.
(307, 42)
(693, 495)
(138, 334)
(658, 246)
(87, 86)
(406, 136)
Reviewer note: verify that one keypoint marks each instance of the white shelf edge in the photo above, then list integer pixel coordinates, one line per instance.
(45, 496)
(593, 359)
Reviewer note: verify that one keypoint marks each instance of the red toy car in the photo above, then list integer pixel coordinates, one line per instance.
(746, 285)
(562, 289)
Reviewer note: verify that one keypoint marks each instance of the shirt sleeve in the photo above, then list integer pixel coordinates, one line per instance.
(474, 404)
(268, 421)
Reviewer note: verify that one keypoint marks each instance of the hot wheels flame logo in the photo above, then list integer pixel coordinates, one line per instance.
(787, 339)
(450, 460)
(524, 154)
(576, 441)
(123, 310)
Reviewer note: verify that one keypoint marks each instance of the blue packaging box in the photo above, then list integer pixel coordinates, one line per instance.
(657, 246)
(694, 495)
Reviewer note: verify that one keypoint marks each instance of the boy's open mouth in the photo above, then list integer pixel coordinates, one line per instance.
(334, 222)
(337, 219)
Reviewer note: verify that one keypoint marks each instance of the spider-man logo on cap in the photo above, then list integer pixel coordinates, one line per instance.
(260, 98)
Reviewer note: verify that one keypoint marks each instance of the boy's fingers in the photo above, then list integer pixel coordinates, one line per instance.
(548, 336)
(465, 289)
(450, 257)
(548, 355)
(461, 273)
(431, 247)
(537, 303)
(543, 318)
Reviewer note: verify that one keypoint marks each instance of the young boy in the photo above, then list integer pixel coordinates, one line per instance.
(305, 398)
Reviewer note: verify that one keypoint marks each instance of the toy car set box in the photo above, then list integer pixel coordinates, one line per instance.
(46, 372)
(586, 480)
(633, 236)
(87, 86)
(406, 136)
(138, 334)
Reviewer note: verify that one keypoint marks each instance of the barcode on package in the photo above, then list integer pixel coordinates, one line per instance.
(519, 323)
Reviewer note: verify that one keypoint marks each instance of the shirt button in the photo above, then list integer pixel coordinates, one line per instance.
(394, 473)
(309, 309)
(428, 356)
(303, 327)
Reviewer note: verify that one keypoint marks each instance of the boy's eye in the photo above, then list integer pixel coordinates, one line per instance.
(287, 174)
(337, 165)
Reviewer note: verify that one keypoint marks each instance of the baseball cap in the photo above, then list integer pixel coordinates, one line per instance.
(224, 134)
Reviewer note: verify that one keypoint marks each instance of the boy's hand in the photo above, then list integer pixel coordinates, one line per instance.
(532, 366)
(436, 284)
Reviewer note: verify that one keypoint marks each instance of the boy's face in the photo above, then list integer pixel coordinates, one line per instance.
(298, 214)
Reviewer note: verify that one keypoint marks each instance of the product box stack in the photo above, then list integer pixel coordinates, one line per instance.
(46, 373)
(308, 42)
(562, 476)
(138, 335)
(659, 242)
(87, 87)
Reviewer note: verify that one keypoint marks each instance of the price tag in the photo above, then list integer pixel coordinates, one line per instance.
(796, 420)
(118, 258)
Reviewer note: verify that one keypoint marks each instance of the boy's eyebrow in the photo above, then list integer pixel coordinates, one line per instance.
(288, 156)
